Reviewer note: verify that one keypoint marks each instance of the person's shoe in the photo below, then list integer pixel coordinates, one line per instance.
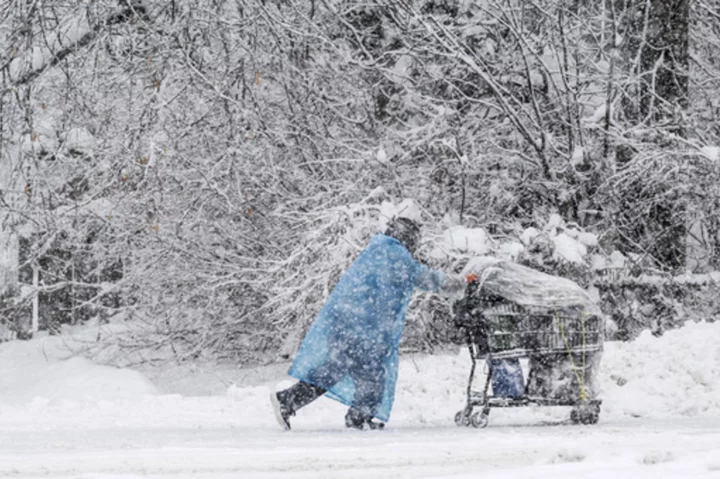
(370, 424)
(355, 420)
(282, 412)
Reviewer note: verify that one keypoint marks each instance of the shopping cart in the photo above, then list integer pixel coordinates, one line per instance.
(511, 313)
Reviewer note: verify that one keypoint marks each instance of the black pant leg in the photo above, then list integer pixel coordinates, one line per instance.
(300, 395)
(369, 384)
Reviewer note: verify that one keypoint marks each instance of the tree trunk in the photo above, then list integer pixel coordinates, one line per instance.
(657, 52)
(659, 41)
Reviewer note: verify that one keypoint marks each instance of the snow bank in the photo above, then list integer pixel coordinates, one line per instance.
(35, 371)
(713, 460)
(677, 374)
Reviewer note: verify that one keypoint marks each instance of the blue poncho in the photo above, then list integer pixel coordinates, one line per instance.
(352, 347)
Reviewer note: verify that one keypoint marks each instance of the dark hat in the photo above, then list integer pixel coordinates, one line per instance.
(406, 231)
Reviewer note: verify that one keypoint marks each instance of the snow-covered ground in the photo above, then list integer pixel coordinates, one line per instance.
(70, 418)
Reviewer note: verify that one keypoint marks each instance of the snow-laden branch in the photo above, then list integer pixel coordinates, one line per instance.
(73, 33)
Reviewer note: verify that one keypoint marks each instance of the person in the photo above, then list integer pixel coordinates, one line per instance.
(350, 353)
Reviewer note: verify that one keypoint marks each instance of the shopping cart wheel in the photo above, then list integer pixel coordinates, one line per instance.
(585, 414)
(459, 418)
(462, 418)
(479, 420)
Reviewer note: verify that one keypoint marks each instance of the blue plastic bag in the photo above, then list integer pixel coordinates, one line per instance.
(507, 378)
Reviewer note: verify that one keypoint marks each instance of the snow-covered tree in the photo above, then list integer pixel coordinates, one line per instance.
(205, 171)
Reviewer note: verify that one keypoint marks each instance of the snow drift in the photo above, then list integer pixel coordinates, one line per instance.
(676, 375)
(34, 369)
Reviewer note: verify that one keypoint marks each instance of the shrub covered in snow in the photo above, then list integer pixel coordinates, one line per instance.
(632, 296)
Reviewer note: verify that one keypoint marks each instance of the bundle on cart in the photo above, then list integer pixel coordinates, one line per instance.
(511, 313)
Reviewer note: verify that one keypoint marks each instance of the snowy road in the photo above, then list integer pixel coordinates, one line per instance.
(637, 448)
(69, 418)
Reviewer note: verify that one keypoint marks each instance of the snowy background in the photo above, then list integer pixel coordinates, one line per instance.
(182, 183)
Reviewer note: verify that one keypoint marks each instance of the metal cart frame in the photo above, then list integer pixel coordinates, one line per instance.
(497, 329)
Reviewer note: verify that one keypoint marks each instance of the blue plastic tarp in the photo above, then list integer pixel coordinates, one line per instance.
(352, 347)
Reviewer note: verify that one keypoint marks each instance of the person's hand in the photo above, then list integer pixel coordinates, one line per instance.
(470, 278)
(453, 286)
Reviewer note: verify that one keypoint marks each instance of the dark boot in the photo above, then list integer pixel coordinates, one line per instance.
(285, 403)
(281, 410)
(357, 420)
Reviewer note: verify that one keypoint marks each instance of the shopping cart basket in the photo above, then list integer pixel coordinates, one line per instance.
(506, 317)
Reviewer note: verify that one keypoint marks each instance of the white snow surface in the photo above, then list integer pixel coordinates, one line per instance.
(528, 235)
(38, 372)
(712, 153)
(468, 240)
(510, 251)
(69, 418)
(569, 249)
